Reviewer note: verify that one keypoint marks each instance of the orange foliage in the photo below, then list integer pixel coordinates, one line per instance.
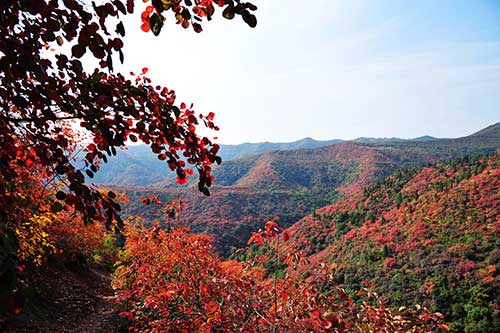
(172, 282)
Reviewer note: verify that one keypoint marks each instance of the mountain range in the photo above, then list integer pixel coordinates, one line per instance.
(137, 166)
(293, 183)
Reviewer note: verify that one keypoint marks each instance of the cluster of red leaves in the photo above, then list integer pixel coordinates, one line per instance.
(73, 238)
(172, 282)
(192, 14)
(45, 97)
(272, 229)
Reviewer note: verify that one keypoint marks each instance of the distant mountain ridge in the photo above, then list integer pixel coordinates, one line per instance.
(393, 139)
(231, 152)
(291, 183)
(137, 166)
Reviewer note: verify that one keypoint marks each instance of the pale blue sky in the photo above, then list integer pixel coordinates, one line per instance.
(335, 69)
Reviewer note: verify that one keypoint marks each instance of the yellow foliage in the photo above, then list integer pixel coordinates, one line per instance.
(34, 243)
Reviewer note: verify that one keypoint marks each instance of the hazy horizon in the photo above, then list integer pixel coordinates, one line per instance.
(333, 138)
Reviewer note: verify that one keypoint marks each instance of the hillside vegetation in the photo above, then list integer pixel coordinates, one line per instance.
(428, 235)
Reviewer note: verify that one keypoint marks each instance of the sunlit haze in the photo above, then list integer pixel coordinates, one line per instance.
(334, 69)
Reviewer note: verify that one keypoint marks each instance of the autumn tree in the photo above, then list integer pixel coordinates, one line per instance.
(60, 121)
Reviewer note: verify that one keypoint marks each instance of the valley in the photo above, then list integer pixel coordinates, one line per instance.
(293, 183)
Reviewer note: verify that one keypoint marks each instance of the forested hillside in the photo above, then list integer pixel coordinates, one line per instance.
(136, 166)
(429, 236)
(289, 184)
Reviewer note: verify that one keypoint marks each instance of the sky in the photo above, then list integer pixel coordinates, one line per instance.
(334, 68)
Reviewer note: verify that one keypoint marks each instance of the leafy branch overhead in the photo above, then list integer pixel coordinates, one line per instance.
(51, 105)
(192, 14)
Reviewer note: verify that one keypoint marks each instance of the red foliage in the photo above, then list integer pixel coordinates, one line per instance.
(465, 267)
(172, 282)
(54, 111)
(45, 103)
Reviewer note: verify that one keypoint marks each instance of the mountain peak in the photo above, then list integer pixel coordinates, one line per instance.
(425, 138)
(307, 138)
(492, 130)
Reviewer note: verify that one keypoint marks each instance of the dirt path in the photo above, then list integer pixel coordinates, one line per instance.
(68, 301)
(103, 318)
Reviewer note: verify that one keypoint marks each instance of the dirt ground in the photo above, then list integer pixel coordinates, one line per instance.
(64, 300)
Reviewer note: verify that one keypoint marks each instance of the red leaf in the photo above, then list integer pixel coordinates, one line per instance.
(444, 327)
(181, 181)
(145, 27)
(212, 306)
(145, 70)
(126, 314)
(271, 226)
(197, 27)
(28, 162)
(130, 6)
